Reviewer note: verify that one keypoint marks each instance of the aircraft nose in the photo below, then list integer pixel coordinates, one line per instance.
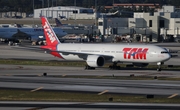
(168, 56)
(65, 33)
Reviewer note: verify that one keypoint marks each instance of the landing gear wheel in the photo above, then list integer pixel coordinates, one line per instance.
(110, 67)
(118, 67)
(159, 65)
(158, 69)
(114, 66)
(89, 68)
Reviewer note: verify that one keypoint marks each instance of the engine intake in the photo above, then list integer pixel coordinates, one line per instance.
(95, 61)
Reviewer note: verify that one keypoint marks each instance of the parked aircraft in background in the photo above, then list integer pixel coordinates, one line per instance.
(62, 17)
(58, 23)
(96, 55)
(62, 26)
(14, 33)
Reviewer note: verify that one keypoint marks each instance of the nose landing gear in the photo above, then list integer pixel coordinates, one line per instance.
(159, 66)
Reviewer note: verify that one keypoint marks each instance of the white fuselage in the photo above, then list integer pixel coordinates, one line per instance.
(119, 52)
(7, 33)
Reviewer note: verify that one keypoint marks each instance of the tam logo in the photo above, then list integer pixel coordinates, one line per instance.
(135, 53)
(49, 32)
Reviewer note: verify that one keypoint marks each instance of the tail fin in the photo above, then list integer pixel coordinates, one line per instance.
(18, 26)
(51, 38)
(58, 22)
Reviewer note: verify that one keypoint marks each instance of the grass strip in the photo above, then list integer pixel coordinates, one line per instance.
(41, 63)
(69, 63)
(26, 95)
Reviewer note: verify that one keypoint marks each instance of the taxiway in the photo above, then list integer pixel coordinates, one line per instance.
(31, 77)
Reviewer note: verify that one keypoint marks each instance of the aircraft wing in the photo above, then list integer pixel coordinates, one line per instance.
(83, 55)
(31, 48)
(46, 50)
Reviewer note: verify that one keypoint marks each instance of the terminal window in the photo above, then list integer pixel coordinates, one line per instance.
(100, 23)
(161, 23)
(150, 23)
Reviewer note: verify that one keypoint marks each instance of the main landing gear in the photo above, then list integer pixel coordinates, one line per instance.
(87, 67)
(114, 66)
(159, 65)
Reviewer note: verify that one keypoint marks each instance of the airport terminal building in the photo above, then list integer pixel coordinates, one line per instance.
(163, 25)
(67, 12)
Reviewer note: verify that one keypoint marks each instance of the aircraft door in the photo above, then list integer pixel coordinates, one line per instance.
(151, 54)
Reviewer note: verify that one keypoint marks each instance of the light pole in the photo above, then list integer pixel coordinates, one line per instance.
(48, 8)
(33, 12)
(42, 3)
(52, 9)
(33, 8)
(42, 7)
(75, 12)
(95, 12)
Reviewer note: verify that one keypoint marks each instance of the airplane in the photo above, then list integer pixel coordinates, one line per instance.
(33, 33)
(62, 26)
(96, 55)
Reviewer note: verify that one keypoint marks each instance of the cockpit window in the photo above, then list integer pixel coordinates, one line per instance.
(164, 52)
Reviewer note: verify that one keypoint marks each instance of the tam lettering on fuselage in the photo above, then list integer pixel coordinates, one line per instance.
(49, 32)
(135, 53)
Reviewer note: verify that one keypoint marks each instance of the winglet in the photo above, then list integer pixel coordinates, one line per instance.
(51, 38)
(18, 26)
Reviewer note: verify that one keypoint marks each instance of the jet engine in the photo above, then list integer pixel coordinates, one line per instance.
(95, 61)
(140, 64)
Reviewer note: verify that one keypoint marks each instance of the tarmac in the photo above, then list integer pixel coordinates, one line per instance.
(30, 77)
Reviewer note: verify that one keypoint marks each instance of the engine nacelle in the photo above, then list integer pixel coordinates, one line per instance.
(140, 64)
(95, 61)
